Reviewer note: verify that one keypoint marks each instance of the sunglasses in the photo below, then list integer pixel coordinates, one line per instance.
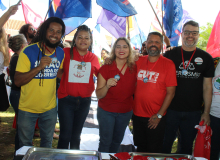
(33, 29)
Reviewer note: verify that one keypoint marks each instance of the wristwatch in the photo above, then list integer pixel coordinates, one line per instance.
(159, 116)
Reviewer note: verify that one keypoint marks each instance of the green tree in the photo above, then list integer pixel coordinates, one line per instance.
(205, 32)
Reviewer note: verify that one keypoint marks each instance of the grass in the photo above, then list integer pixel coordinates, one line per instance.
(7, 135)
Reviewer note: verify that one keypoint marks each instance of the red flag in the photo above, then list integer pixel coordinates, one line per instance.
(30, 16)
(213, 45)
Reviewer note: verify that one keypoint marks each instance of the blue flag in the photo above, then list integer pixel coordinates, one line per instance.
(63, 10)
(72, 23)
(122, 8)
(138, 37)
(2, 7)
(52, 9)
(172, 20)
(74, 8)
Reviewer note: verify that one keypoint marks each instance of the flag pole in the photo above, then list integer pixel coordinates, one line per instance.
(156, 16)
(128, 28)
(48, 10)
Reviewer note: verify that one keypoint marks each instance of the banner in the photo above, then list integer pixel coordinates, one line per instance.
(74, 8)
(114, 24)
(213, 45)
(172, 20)
(122, 8)
(53, 8)
(30, 16)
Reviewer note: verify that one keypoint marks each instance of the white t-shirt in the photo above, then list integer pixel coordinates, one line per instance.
(215, 106)
(1, 63)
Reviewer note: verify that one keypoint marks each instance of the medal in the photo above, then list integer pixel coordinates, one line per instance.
(83, 63)
(184, 72)
(117, 77)
(54, 60)
(145, 80)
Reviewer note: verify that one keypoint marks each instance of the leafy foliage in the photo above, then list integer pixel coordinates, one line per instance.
(205, 32)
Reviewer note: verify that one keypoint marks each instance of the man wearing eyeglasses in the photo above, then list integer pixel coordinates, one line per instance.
(28, 31)
(194, 70)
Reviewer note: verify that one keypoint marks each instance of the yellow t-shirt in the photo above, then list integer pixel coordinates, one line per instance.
(36, 98)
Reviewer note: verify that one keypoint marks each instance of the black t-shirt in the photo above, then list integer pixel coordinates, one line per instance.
(189, 90)
(12, 67)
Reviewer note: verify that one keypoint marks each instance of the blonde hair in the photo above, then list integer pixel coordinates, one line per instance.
(15, 42)
(130, 58)
(4, 46)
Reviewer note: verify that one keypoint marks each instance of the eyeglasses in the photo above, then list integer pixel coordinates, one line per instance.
(194, 33)
(32, 29)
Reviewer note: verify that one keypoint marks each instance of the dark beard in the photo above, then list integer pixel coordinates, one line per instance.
(31, 36)
(51, 45)
(153, 53)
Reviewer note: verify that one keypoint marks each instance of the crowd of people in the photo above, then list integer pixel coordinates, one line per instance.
(162, 93)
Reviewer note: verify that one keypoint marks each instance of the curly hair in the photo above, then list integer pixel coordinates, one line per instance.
(81, 28)
(130, 58)
(24, 29)
(4, 46)
(15, 42)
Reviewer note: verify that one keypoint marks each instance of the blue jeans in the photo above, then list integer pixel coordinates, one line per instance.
(72, 113)
(111, 129)
(14, 100)
(215, 139)
(26, 126)
(185, 122)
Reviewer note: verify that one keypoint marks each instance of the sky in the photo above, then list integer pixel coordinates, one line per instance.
(202, 11)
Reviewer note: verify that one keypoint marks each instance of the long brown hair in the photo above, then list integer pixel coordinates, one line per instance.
(4, 46)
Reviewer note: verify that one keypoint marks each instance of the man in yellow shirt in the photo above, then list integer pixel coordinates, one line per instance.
(36, 73)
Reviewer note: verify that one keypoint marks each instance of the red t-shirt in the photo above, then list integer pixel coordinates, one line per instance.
(78, 81)
(149, 96)
(118, 99)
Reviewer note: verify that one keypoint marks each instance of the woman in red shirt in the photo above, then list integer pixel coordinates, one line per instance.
(115, 89)
(76, 87)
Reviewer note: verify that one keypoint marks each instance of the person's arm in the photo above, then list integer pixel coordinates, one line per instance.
(24, 78)
(11, 11)
(102, 86)
(154, 120)
(60, 73)
(207, 97)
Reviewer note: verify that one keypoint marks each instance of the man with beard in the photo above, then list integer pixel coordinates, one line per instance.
(28, 31)
(194, 70)
(156, 83)
(36, 73)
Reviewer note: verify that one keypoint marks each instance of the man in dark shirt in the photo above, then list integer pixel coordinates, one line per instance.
(194, 70)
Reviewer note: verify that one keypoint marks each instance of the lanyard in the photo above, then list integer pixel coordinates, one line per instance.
(189, 59)
(121, 68)
(50, 51)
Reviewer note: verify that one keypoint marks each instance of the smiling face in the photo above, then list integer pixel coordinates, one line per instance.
(189, 40)
(154, 45)
(83, 40)
(122, 49)
(53, 36)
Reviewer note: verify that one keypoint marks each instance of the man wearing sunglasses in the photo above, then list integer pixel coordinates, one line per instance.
(28, 31)
(194, 70)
